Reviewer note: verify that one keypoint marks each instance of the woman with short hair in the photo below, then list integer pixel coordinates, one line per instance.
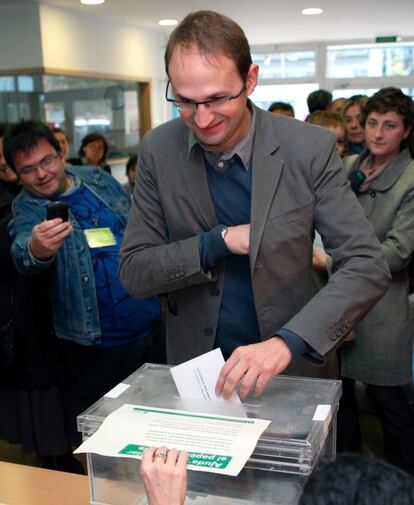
(93, 151)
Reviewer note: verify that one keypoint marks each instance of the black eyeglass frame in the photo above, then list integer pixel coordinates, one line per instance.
(178, 102)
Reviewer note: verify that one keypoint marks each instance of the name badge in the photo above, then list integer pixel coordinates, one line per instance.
(100, 237)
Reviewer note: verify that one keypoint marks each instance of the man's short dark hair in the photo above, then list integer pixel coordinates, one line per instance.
(319, 100)
(23, 137)
(212, 34)
(354, 479)
(131, 163)
(281, 106)
(3, 128)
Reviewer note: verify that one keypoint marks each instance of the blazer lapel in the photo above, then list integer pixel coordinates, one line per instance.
(267, 169)
(194, 171)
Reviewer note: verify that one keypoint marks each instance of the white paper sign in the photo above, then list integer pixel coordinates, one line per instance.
(321, 412)
(117, 390)
(197, 378)
(218, 444)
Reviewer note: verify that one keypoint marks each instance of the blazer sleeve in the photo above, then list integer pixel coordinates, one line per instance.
(360, 275)
(150, 264)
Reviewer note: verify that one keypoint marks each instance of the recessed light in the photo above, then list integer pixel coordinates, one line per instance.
(167, 22)
(92, 2)
(312, 11)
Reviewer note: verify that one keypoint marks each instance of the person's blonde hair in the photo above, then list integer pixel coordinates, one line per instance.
(326, 118)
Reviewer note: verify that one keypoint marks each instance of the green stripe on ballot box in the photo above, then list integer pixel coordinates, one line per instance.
(194, 458)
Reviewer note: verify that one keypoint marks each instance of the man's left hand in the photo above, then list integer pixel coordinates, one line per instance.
(251, 365)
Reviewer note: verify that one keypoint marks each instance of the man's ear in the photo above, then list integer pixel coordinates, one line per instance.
(252, 78)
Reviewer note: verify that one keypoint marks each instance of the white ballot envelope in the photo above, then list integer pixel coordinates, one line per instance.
(197, 378)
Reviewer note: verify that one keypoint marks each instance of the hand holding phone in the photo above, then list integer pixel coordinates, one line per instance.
(57, 209)
(47, 237)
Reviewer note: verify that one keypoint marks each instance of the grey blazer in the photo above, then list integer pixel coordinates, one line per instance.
(381, 354)
(298, 185)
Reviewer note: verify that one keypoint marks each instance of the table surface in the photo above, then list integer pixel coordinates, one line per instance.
(28, 485)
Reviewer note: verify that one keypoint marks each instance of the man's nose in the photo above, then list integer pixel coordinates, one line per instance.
(203, 116)
(40, 171)
(378, 133)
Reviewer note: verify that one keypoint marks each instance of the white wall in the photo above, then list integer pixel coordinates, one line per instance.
(78, 41)
(20, 36)
(35, 36)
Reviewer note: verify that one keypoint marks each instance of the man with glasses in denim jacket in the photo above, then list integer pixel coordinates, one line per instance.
(223, 217)
(108, 334)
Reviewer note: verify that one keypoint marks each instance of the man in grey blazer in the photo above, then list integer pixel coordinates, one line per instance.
(223, 217)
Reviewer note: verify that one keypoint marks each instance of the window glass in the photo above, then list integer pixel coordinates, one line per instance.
(65, 82)
(25, 83)
(7, 84)
(92, 116)
(347, 93)
(295, 94)
(54, 113)
(285, 65)
(131, 125)
(370, 60)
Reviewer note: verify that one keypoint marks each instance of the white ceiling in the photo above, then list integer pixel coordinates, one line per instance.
(272, 21)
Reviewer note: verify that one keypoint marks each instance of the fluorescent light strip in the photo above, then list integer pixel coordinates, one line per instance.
(167, 22)
(92, 2)
(312, 11)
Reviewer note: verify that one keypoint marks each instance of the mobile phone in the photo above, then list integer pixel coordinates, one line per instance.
(57, 209)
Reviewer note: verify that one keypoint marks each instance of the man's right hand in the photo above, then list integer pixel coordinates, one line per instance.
(237, 239)
(48, 236)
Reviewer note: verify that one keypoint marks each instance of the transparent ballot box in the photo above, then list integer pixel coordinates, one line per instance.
(303, 427)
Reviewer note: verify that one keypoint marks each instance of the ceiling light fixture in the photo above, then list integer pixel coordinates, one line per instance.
(312, 11)
(92, 2)
(167, 22)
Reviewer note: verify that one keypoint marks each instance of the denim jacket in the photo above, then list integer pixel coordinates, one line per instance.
(72, 282)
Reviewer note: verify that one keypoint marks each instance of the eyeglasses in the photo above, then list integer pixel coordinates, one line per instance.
(45, 163)
(190, 106)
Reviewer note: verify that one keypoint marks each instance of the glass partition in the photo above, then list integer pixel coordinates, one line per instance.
(79, 105)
